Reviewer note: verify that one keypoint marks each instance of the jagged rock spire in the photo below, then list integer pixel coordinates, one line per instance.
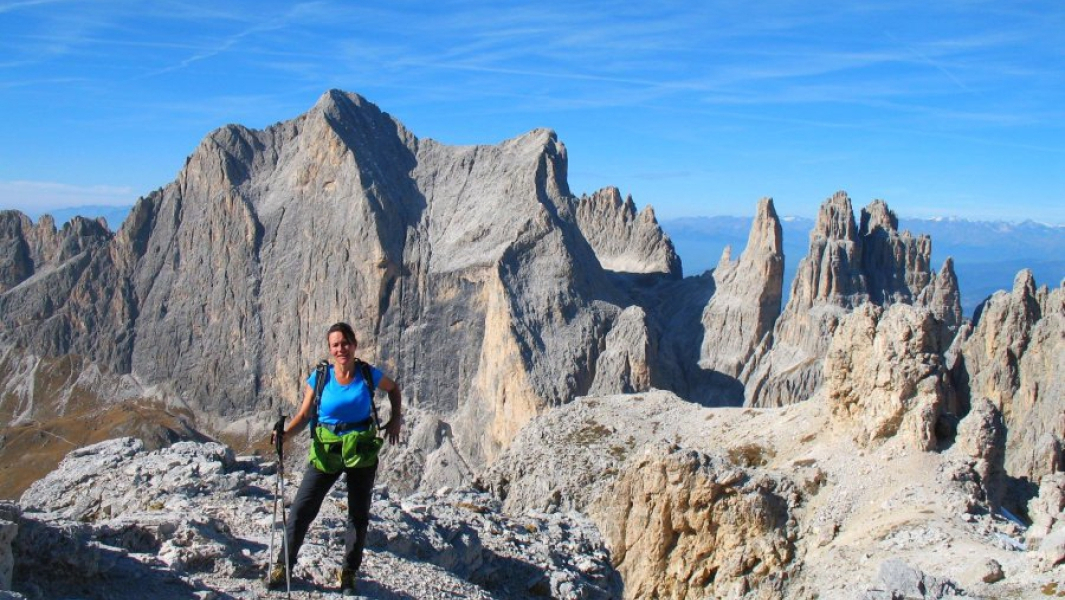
(1014, 357)
(747, 296)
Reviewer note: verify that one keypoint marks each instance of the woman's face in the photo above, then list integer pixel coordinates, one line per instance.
(340, 347)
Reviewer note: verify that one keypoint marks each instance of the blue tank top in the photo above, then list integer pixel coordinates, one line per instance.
(345, 403)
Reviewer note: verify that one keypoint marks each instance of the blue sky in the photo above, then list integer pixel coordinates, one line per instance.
(946, 108)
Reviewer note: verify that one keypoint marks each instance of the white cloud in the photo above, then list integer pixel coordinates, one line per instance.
(36, 197)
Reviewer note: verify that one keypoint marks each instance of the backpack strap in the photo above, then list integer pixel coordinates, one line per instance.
(367, 376)
(319, 384)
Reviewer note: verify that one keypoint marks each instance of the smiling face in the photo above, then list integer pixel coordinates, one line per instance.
(341, 348)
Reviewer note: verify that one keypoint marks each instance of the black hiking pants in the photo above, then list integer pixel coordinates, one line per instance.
(312, 492)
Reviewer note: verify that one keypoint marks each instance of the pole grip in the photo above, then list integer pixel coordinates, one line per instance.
(279, 435)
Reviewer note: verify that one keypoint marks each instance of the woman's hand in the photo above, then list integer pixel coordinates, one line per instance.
(392, 429)
(395, 398)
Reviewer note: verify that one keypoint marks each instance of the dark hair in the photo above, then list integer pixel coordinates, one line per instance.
(345, 330)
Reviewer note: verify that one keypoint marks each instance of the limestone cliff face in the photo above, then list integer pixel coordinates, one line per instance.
(62, 291)
(1014, 357)
(464, 270)
(624, 241)
(747, 296)
(847, 266)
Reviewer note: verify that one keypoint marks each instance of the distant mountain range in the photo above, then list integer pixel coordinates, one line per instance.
(987, 254)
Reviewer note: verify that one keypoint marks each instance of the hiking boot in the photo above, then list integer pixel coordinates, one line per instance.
(275, 579)
(347, 582)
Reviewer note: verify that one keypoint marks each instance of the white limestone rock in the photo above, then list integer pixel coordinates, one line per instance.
(193, 520)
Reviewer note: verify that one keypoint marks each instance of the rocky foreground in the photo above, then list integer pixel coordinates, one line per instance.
(192, 520)
(691, 502)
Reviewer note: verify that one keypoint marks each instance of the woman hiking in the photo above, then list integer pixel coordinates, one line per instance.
(344, 440)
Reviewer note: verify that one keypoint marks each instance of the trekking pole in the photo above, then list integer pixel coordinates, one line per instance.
(279, 446)
(273, 528)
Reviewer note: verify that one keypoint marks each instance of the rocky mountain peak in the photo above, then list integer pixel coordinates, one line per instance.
(624, 241)
(1013, 357)
(268, 236)
(943, 297)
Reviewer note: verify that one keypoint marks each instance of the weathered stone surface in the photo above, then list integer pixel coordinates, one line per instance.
(193, 519)
(747, 296)
(624, 241)
(884, 374)
(59, 290)
(681, 524)
(943, 298)
(624, 365)
(563, 460)
(847, 266)
(1014, 357)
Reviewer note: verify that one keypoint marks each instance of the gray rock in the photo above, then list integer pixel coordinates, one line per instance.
(564, 459)
(900, 581)
(981, 438)
(624, 366)
(478, 250)
(1046, 536)
(624, 241)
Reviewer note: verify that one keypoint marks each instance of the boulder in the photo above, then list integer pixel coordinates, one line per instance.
(1046, 536)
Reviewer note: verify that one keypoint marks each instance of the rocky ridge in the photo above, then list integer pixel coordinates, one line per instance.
(193, 520)
(624, 241)
(496, 297)
(478, 249)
